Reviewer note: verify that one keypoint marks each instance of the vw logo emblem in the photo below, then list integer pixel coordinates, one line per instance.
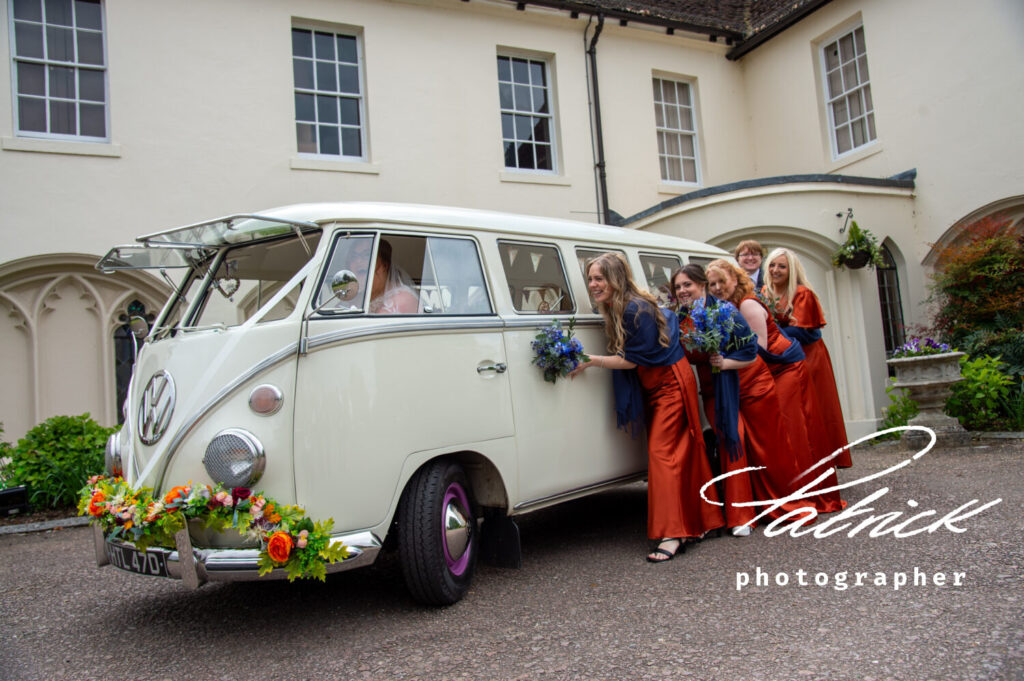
(156, 407)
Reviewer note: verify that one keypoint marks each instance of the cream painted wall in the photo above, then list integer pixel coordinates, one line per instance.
(203, 120)
(948, 87)
(626, 66)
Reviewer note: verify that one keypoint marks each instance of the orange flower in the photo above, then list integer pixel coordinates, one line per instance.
(96, 506)
(270, 515)
(153, 512)
(176, 492)
(279, 547)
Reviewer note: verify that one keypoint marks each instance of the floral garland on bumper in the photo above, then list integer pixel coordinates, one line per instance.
(286, 536)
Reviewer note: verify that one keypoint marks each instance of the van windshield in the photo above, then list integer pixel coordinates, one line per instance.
(230, 287)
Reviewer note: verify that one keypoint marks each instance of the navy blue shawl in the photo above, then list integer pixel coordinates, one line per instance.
(804, 335)
(643, 349)
(727, 384)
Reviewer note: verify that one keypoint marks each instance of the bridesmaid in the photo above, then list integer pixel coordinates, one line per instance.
(800, 315)
(784, 358)
(689, 285)
(653, 382)
(763, 435)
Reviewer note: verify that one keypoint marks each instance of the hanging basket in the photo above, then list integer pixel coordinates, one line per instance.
(857, 260)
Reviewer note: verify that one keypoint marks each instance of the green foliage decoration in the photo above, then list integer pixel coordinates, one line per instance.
(287, 538)
(56, 458)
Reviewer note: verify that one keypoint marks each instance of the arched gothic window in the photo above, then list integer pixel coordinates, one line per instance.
(890, 302)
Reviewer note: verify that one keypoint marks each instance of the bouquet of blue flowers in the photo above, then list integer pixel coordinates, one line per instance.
(557, 352)
(713, 327)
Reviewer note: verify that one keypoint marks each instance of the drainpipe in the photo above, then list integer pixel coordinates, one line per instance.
(602, 179)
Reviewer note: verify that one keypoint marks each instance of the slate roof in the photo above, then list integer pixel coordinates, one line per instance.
(743, 23)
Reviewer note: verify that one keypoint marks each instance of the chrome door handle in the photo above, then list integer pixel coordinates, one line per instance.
(500, 368)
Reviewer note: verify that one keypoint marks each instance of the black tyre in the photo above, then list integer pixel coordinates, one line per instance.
(438, 538)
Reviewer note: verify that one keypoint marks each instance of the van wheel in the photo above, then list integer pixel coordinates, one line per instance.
(437, 534)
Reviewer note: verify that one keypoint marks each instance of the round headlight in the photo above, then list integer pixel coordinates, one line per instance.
(235, 458)
(112, 456)
(265, 399)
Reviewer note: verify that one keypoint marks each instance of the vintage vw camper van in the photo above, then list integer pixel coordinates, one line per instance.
(400, 401)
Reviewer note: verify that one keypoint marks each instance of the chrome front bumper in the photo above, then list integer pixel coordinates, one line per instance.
(196, 566)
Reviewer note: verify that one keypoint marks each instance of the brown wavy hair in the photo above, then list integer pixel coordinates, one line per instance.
(619, 278)
(744, 285)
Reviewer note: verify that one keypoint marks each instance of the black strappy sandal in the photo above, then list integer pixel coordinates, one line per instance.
(669, 555)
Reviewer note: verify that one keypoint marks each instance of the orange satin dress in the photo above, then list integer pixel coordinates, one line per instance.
(765, 438)
(807, 314)
(793, 387)
(737, 488)
(677, 463)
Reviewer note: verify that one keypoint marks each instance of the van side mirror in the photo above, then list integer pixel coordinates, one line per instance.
(139, 327)
(344, 285)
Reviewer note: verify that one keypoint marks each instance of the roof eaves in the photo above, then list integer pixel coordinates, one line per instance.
(642, 15)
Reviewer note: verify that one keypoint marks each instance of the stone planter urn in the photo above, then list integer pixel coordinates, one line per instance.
(927, 380)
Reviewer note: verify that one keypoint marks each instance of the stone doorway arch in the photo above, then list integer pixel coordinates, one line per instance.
(58, 318)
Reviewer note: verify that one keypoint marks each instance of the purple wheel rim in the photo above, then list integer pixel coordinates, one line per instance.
(455, 494)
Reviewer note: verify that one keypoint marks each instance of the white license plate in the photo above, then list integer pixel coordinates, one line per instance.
(141, 562)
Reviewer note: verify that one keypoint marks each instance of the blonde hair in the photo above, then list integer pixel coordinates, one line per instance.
(619, 278)
(744, 285)
(797, 277)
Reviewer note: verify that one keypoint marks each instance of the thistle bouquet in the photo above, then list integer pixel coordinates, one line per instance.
(713, 329)
(556, 351)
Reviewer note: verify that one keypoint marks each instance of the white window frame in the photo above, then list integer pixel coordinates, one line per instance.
(49, 65)
(673, 133)
(321, 94)
(513, 111)
(846, 89)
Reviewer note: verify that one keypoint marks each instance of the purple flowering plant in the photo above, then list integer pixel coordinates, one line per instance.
(713, 327)
(557, 352)
(919, 347)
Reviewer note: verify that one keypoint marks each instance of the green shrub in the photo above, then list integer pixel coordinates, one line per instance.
(979, 401)
(5, 452)
(55, 459)
(899, 412)
(1014, 406)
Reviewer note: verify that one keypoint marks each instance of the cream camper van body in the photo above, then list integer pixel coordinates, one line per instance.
(421, 423)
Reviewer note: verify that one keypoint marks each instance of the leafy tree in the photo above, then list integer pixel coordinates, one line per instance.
(978, 289)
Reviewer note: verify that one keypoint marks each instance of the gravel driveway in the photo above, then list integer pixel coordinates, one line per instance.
(585, 605)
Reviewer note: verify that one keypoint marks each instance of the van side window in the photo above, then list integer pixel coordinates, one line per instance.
(453, 279)
(658, 271)
(585, 255)
(410, 275)
(536, 278)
